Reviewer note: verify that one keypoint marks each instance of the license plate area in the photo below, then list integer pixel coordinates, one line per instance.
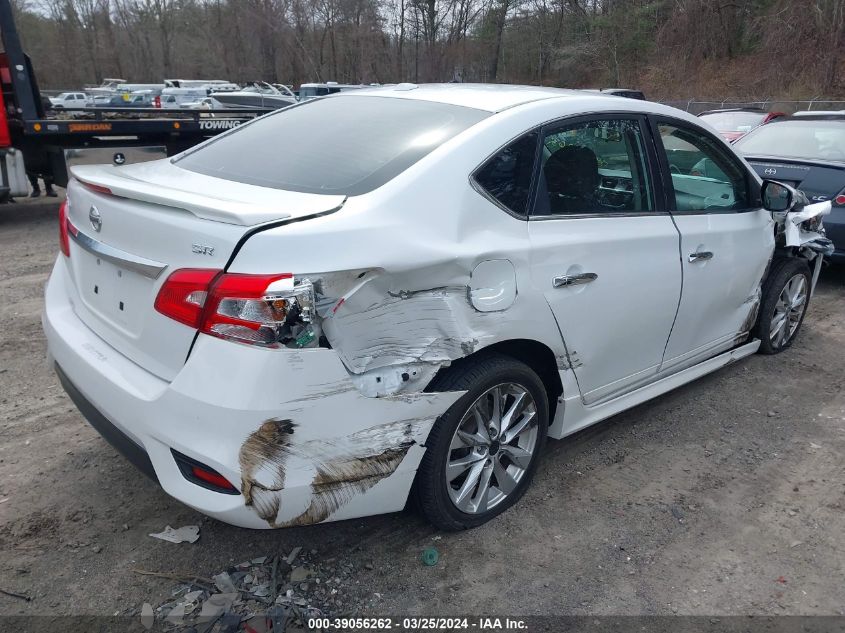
(113, 293)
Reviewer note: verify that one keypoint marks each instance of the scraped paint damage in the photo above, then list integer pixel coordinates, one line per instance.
(393, 337)
(753, 303)
(339, 468)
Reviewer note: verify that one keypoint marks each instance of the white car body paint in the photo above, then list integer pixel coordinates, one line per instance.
(611, 362)
(160, 182)
(418, 273)
(719, 293)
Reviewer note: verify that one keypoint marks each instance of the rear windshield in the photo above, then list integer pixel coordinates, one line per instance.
(336, 145)
(733, 121)
(797, 139)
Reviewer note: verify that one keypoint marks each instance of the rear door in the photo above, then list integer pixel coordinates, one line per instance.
(604, 252)
(727, 239)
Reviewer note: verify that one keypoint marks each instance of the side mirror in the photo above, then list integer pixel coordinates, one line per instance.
(777, 196)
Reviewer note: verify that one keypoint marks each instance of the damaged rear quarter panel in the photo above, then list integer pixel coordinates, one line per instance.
(306, 445)
(394, 272)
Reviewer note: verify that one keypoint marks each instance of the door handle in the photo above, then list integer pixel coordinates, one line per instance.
(700, 256)
(574, 280)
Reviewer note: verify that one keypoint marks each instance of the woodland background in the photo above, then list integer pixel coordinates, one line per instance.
(741, 49)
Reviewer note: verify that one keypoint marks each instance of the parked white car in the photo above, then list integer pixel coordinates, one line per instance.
(69, 100)
(437, 279)
(172, 98)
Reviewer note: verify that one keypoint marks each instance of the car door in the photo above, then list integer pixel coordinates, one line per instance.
(727, 240)
(604, 252)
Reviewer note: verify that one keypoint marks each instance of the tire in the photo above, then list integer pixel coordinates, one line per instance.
(461, 504)
(778, 306)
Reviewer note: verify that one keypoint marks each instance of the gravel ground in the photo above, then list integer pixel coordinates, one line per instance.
(723, 497)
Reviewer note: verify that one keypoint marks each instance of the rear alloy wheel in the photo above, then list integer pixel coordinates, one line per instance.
(492, 448)
(786, 295)
(482, 453)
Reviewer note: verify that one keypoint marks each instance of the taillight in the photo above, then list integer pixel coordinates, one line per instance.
(267, 310)
(248, 308)
(64, 239)
(157, 102)
(839, 200)
(183, 295)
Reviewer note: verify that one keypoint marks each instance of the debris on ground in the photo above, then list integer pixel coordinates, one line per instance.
(14, 594)
(293, 554)
(430, 556)
(262, 595)
(147, 616)
(186, 534)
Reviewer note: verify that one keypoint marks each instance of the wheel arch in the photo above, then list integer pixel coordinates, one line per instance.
(538, 356)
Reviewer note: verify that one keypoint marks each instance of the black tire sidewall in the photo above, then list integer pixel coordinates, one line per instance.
(783, 271)
(476, 377)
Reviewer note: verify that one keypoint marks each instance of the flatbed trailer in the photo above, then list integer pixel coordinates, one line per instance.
(34, 143)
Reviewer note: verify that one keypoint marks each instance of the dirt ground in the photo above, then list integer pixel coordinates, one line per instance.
(724, 497)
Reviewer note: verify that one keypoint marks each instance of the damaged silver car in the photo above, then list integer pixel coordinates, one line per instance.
(437, 279)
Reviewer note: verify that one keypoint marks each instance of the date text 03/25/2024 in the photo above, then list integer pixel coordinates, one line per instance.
(418, 624)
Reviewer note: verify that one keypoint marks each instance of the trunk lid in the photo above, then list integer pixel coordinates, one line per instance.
(157, 219)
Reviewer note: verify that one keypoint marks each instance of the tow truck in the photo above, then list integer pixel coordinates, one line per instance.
(32, 140)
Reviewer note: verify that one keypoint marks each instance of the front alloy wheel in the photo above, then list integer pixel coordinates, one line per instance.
(786, 295)
(788, 310)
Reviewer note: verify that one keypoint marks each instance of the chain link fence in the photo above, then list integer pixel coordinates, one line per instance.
(694, 106)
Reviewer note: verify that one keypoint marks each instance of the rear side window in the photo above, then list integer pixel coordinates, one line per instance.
(594, 167)
(507, 175)
(338, 145)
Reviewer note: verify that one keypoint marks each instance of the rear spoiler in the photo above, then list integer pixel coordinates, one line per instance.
(105, 179)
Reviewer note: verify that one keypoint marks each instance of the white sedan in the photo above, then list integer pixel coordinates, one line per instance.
(406, 290)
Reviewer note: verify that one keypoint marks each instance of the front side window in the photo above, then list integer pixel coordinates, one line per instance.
(507, 175)
(597, 166)
(704, 177)
(339, 145)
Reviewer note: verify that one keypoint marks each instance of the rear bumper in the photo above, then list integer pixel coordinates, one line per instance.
(275, 423)
(119, 440)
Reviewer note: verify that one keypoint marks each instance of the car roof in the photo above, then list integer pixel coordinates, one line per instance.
(818, 114)
(500, 97)
(489, 97)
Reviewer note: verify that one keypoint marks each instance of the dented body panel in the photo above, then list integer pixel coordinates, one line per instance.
(403, 281)
(294, 462)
